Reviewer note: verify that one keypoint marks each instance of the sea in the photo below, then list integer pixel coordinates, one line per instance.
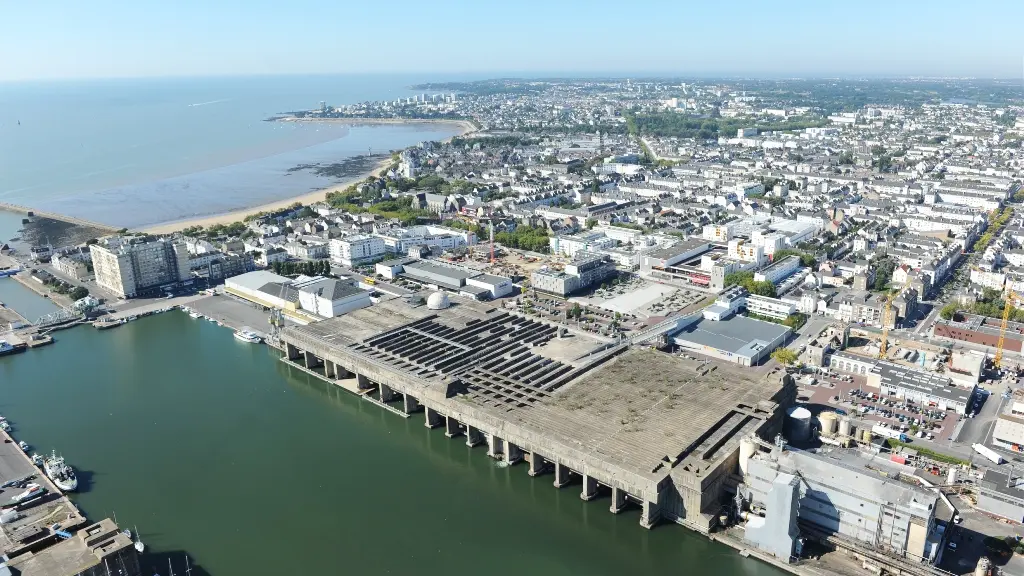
(136, 152)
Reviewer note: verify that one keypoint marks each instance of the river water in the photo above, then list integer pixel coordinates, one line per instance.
(214, 448)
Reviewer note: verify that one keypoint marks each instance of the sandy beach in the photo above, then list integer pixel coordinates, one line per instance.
(238, 215)
(308, 198)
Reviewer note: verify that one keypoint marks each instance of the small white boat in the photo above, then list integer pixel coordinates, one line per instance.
(139, 546)
(248, 336)
(5, 426)
(194, 314)
(37, 459)
(23, 445)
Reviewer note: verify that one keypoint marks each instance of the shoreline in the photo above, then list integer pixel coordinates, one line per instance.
(309, 197)
(240, 214)
(467, 126)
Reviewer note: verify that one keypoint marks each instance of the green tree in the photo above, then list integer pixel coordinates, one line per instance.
(78, 292)
(784, 356)
(948, 311)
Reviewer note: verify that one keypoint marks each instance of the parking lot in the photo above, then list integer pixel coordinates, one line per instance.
(850, 395)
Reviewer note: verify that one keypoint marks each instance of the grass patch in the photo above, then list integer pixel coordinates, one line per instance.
(937, 456)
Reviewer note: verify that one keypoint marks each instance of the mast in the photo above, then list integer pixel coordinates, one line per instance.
(169, 567)
(188, 569)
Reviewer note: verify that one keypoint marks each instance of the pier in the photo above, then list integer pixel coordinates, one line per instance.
(31, 529)
(54, 216)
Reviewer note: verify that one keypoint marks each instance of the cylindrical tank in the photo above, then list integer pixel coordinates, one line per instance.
(844, 427)
(984, 567)
(827, 420)
(799, 422)
(747, 449)
(952, 478)
(865, 436)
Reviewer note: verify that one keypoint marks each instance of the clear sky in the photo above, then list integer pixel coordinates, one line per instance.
(132, 38)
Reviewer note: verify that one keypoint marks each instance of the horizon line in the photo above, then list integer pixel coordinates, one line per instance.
(531, 75)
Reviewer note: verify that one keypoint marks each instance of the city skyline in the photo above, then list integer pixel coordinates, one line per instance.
(803, 39)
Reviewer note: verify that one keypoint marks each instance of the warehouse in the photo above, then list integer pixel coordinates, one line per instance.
(921, 387)
(264, 288)
(737, 339)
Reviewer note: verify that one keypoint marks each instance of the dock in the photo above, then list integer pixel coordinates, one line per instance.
(31, 529)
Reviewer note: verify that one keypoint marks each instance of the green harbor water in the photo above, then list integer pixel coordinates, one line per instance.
(216, 449)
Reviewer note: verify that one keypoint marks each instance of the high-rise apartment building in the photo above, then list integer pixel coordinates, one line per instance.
(129, 268)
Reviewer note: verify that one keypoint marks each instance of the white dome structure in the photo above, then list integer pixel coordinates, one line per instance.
(438, 301)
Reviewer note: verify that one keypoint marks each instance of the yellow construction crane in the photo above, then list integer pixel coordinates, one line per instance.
(1010, 297)
(886, 320)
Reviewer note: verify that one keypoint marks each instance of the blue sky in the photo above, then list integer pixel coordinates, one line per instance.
(136, 38)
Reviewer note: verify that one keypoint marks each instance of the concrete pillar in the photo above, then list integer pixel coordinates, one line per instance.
(362, 382)
(473, 436)
(513, 453)
(618, 500)
(387, 394)
(329, 369)
(410, 404)
(292, 351)
(589, 488)
(451, 427)
(310, 360)
(561, 475)
(537, 464)
(495, 446)
(433, 419)
(340, 372)
(650, 514)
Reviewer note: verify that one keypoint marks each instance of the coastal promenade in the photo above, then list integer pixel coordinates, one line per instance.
(55, 216)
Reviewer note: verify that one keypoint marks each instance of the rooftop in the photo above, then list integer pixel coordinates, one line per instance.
(932, 384)
(737, 335)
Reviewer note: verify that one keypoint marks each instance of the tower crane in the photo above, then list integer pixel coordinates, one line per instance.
(1010, 297)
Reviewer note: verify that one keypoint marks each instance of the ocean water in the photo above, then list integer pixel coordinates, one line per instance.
(144, 151)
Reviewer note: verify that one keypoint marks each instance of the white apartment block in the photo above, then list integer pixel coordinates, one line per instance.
(770, 307)
(355, 250)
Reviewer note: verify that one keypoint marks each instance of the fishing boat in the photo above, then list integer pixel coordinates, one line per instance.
(5, 426)
(8, 348)
(62, 475)
(24, 446)
(249, 336)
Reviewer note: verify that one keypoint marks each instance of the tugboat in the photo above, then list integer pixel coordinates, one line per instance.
(61, 474)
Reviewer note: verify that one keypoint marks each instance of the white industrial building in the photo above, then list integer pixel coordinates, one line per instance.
(329, 297)
(805, 493)
(924, 388)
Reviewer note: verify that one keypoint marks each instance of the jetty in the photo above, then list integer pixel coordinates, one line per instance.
(33, 213)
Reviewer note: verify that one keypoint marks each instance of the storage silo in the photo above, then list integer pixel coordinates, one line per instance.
(799, 424)
(747, 449)
(844, 426)
(865, 436)
(828, 421)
